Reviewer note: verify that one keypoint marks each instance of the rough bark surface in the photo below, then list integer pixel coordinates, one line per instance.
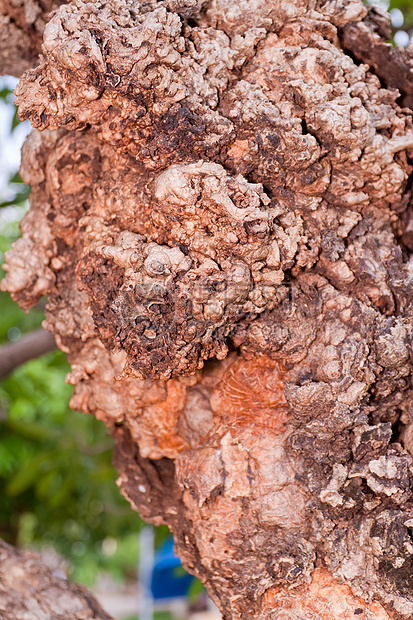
(29, 591)
(22, 24)
(221, 218)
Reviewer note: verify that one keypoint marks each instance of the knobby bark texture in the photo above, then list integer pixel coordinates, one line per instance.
(22, 24)
(221, 218)
(30, 591)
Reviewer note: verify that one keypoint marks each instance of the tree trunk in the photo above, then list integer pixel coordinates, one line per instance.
(220, 216)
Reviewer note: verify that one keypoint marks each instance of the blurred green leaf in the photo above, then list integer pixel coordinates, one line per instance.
(195, 590)
(26, 475)
(5, 93)
(16, 178)
(18, 199)
(15, 120)
(32, 430)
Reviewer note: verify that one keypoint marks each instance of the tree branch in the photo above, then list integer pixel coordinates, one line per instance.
(30, 346)
(28, 589)
(367, 41)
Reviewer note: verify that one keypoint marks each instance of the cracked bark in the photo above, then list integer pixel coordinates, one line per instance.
(221, 219)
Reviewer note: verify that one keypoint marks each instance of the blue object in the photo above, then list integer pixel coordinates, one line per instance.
(169, 579)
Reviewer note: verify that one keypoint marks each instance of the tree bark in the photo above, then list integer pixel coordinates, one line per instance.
(221, 218)
(29, 591)
(22, 24)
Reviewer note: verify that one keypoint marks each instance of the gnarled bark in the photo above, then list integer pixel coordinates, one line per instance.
(221, 219)
(22, 24)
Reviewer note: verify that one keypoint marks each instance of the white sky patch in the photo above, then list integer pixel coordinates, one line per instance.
(9, 216)
(383, 4)
(397, 18)
(10, 143)
(401, 38)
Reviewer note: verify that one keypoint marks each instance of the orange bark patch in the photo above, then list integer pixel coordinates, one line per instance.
(325, 598)
(156, 429)
(239, 151)
(251, 392)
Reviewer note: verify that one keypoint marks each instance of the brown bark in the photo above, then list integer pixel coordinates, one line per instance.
(29, 591)
(221, 218)
(28, 347)
(366, 40)
(22, 24)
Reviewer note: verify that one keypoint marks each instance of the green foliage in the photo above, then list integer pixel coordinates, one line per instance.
(57, 483)
(56, 480)
(20, 196)
(196, 590)
(6, 94)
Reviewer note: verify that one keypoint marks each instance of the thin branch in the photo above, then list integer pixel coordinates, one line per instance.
(28, 347)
